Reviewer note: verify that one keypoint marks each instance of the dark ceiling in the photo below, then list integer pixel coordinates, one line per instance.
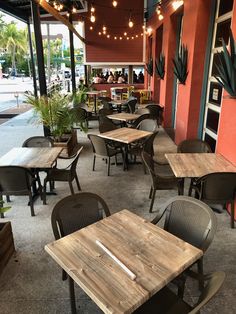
(21, 9)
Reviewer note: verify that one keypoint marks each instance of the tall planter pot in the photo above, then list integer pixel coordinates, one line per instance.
(68, 144)
(7, 247)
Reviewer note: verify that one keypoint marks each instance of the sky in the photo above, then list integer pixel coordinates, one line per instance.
(54, 30)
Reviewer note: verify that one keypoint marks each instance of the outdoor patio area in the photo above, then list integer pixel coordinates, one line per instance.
(31, 282)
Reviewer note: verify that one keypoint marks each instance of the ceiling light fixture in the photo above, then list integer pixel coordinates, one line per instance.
(131, 23)
(114, 3)
(177, 3)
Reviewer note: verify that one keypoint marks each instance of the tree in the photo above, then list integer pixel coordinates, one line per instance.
(15, 42)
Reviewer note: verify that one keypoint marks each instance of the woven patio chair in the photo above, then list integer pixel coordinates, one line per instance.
(218, 188)
(166, 302)
(161, 175)
(156, 113)
(101, 148)
(67, 174)
(15, 180)
(192, 221)
(75, 212)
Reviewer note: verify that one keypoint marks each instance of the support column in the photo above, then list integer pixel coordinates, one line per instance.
(39, 48)
(32, 61)
(72, 58)
(39, 52)
(130, 76)
(195, 23)
(49, 54)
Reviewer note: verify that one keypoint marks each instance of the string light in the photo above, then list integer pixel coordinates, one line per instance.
(121, 38)
(92, 8)
(74, 10)
(160, 17)
(92, 18)
(104, 28)
(125, 34)
(108, 36)
(91, 28)
(99, 33)
(131, 23)
(115, 37)
(177, 3)
(114, 3)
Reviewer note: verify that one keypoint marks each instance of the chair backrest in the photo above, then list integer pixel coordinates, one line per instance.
(190, 220)
(73, 164)
(149, 125)
(142, 111)
(106, 102)
(99, 145)
(15, 180)
(105, 112)
(38, 141)
(148, 144)
(139, 119)
(193, 146)
(156, 112)
(215, 281)
(132, 104)
(217, 187)
(105, 124)
(77, 211)
(149, 163)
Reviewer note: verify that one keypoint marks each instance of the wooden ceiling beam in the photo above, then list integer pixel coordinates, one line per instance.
(47, 7)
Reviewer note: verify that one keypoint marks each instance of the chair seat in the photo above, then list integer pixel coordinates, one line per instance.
(164, 302)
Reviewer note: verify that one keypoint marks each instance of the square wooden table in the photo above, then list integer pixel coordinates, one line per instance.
(186, 165)
(125, 135)
(124, 116)
(155, 256)
(31, 157)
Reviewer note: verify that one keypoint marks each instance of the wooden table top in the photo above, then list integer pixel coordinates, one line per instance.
(197, 165)
(118, 102)
(118, 87)
(155, 256)
(125, 135)
(31, 157)
(124, 116)
(95, 92)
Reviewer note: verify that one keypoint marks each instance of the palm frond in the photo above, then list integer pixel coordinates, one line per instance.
(181, 64)
(160, 66)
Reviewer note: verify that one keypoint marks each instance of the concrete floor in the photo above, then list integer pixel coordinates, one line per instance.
(31, 282)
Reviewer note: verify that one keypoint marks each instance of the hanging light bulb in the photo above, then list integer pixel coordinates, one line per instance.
(131, 23)
(99, 33)
(160, 17)
(74, 10)
(114, 3)
(92, 8)
(104, 28)
(125, 34)
(91, 28)
(108, 36)
(92, 18)
(115, 37)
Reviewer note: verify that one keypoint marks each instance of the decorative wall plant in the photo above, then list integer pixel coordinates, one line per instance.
(160, 66)
(181, 64)
(149, 67)
(226, 67)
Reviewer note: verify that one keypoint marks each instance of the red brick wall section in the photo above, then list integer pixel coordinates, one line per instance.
(102, 49)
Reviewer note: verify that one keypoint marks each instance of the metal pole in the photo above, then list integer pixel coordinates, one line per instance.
(49, 54)
(32, 61)
(72, 57)
(39, 52)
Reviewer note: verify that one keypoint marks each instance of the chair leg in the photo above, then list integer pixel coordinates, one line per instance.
(71, 188)
(44, 191)
(64, 275)
(94, 160)
(31, 204)
(200, 272)
(8, 199)
(77, 182)
(150, 193)
(152, 201)
(232, 213)
(72, 295)
(1, 200)
(108, 166)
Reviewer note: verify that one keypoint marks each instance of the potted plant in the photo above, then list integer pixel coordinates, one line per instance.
(56, 113)
(181, 64)
(149, 67)
(226, 67)
(160, 66)
(7, 247)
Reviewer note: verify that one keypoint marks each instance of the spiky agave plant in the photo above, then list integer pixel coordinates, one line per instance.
(181, 64)
(226, 67)
(160, 66)
(149, 67)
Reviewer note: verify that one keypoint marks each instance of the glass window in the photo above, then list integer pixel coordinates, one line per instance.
(225, 6)
(214, 71)
(212, 120)
(211, 141)
(222, 32)
(215, 93)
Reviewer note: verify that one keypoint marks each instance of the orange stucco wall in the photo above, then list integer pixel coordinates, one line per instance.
(226, 143)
